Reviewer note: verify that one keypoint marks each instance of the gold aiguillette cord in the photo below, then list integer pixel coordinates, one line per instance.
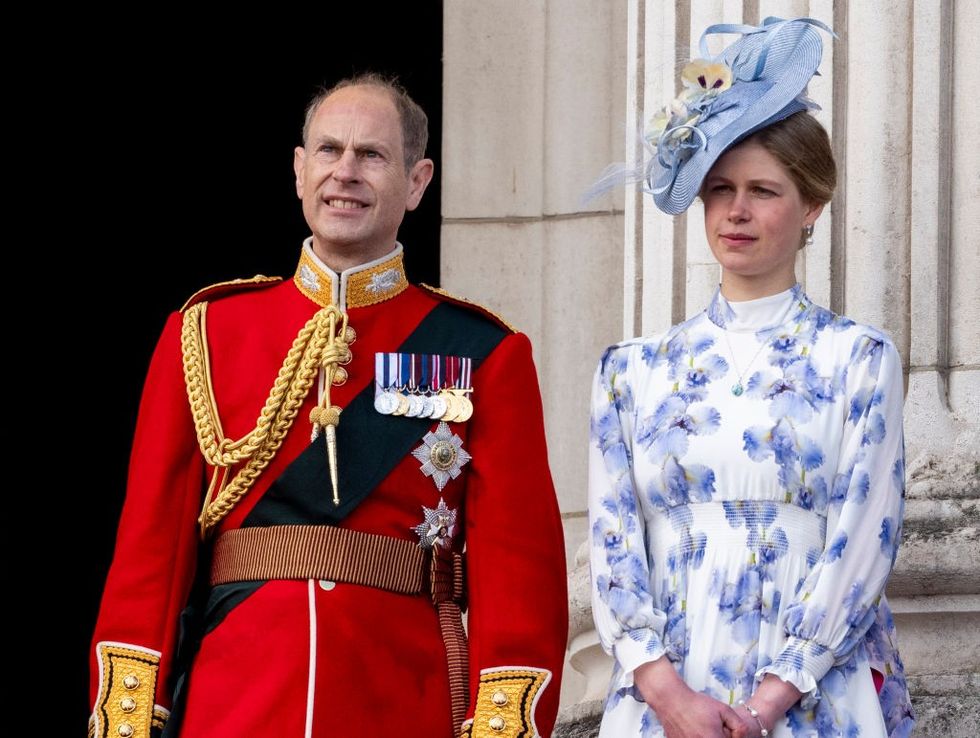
(336, 354)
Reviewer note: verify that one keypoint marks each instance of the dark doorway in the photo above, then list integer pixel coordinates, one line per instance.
(182, 176)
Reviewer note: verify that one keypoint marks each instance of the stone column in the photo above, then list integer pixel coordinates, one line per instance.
(535, 101)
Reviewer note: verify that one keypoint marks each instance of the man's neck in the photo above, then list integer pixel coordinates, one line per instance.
(341, 261)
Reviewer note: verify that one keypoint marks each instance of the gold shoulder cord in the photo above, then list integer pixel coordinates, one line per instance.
(318, 344)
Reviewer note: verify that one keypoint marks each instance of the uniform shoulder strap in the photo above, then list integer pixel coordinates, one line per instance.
(441, 294)
(220, 289)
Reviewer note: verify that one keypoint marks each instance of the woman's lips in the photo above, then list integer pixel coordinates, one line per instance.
(737, 239)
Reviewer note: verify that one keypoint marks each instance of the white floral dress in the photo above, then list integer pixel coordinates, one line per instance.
(744, 522)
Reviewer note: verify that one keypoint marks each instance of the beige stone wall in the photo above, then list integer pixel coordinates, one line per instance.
(540, 95)
(534, 101)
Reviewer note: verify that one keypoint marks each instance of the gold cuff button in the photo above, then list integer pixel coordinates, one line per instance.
(131, 682)
(499, 698)
(126, 730)
(497, 724)
(127, 704)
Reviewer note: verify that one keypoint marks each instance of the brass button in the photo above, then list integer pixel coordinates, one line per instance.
(126, 730)
(499, 698)
(131, 682)
(127, 704)
(497, 724)
(351, 335)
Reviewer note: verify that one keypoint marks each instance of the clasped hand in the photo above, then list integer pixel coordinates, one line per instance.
(684, 713)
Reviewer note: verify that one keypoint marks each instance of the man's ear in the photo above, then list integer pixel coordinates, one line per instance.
(418, 179)
(299, 163)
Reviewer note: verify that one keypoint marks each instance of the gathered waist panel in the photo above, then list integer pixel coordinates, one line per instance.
(755, 525)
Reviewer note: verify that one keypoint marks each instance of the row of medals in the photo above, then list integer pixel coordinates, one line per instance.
(451, 405)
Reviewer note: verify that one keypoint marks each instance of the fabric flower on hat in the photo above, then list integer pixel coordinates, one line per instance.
(671, 129)
(703, 76)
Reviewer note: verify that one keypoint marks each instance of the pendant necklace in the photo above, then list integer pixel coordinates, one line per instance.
(738, 388)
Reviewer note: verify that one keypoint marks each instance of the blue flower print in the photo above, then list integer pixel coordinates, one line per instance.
(741, 535)
(615, 363)
(654, 355)
(720, 312)
(889, 537)
(836, 548)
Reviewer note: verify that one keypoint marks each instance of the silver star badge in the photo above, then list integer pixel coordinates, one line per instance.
(437, 530)
(442, 455)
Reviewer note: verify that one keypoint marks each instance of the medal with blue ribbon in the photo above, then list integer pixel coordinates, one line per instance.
(423, 386)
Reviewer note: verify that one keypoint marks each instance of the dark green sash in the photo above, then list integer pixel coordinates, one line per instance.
(369, 444)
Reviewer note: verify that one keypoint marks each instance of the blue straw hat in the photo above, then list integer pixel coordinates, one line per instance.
(756, 81)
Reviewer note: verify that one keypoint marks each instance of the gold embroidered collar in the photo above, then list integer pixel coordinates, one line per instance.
(366, 284)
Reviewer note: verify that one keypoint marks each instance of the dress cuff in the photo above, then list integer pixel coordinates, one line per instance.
(635, 648)
(802, 663)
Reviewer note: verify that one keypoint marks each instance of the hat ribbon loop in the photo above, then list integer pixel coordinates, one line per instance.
(771, 26)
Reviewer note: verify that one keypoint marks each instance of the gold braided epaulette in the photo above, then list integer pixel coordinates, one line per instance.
(443, 295)
(220, 289)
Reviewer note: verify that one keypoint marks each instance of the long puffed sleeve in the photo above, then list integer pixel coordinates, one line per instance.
(629, 626)
(836, 604)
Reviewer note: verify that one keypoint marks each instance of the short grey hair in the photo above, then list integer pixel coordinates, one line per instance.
(414, 121)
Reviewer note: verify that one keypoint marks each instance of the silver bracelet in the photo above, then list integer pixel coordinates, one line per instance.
(755, 713)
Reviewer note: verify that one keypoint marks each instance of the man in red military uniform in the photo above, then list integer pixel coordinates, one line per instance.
(267, 584)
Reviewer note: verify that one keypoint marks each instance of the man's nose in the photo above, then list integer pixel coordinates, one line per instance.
(347, 169)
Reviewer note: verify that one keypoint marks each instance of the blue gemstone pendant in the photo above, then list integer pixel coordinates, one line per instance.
(737, 389)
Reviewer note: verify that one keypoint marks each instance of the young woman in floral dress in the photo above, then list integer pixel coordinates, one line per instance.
(746, 469)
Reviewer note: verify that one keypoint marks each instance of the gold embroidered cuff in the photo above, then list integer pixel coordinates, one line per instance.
(505, 703)
(125, 705)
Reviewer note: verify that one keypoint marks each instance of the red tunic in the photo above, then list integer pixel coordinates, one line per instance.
(308, 658)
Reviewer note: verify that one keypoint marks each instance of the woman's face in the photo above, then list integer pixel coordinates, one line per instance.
(754, 217)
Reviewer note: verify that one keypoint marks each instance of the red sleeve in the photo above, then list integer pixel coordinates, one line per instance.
(518, 616)
(155, 554)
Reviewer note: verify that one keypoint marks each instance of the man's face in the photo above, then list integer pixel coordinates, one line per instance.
(351, 177)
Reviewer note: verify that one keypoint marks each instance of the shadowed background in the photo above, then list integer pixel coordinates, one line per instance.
(173, 158)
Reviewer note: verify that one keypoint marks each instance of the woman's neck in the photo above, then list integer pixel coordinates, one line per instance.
(739, 288)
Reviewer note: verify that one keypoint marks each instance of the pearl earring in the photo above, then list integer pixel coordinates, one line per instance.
(808, 234)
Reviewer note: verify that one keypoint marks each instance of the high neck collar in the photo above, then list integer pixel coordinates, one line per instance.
(365, 284)
(761, 315)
